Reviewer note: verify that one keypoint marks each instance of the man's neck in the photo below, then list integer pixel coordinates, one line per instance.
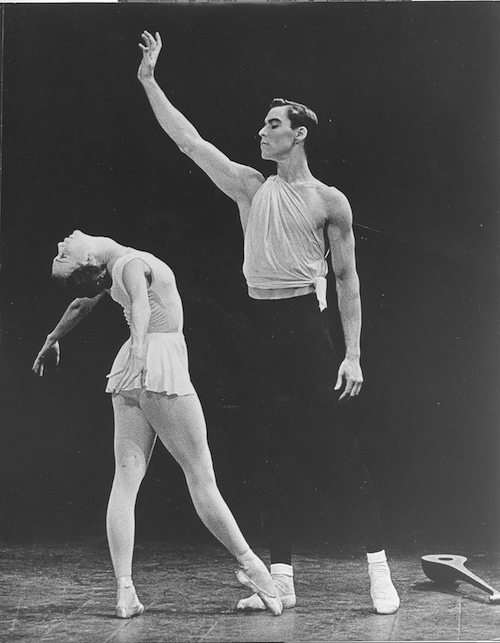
(294, 168)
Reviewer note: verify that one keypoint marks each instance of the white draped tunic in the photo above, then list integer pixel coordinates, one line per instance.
(283, 246)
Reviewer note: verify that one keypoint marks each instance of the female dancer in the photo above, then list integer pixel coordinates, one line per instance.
(152, 396)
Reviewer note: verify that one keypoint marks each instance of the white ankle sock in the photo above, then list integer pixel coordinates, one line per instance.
(282, 575)
(384, 595)
(376, 557)
(281, 568)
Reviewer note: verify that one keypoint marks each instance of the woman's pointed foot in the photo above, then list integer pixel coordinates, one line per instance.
(256, 577)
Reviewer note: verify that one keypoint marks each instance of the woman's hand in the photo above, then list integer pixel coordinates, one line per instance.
(135, 366)
(50, 351)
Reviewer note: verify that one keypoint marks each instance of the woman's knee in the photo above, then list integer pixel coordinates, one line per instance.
(130, 462)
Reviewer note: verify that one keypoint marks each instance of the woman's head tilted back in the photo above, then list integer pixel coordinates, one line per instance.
(76, 269)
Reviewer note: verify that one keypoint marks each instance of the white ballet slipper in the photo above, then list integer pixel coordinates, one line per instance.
(384, 595)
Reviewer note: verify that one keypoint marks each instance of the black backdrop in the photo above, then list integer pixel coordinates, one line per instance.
(408, 100)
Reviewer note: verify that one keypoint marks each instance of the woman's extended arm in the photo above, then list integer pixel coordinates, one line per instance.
(72, 315)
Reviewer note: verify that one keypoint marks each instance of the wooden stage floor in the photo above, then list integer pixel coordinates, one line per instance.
(65, 592)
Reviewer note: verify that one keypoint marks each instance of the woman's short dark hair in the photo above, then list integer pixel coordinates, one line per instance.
(300, 115)
(87, 281)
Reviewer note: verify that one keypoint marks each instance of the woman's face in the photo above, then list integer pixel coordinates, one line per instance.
(73, 252)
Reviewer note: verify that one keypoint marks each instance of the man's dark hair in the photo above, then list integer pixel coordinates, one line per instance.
(300, 115)
(86, 281)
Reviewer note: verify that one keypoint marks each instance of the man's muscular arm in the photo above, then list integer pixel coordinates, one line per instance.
(341, 238)
(238, 181)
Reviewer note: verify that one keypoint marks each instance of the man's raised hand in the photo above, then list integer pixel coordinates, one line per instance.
(150, 52)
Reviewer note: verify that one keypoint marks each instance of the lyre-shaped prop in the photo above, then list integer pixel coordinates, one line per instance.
(446, 569)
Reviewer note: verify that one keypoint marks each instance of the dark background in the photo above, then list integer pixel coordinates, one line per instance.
(407, 95)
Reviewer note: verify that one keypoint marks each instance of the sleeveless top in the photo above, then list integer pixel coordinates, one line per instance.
(164, 299)
(167, 368)
(283, 248)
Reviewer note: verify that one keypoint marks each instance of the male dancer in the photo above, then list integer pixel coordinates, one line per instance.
(284, 220)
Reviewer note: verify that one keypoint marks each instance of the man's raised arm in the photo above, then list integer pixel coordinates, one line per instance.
(235, 180)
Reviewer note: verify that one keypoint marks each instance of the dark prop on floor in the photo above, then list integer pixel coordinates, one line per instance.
(447, 569)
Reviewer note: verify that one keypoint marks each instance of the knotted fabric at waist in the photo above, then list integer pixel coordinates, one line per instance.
(278, 291)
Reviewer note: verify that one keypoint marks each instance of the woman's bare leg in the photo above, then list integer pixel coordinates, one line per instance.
(134, 442)
(180, 424)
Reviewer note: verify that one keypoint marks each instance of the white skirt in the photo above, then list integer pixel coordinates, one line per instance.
(167, 369)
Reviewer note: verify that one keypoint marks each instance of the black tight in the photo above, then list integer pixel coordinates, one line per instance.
(298, 416)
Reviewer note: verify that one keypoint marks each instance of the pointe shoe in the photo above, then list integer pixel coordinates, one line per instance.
(128, 604)
(128, 611)
(254, 603)
(283, 581)
(271, 601)
(384, 595)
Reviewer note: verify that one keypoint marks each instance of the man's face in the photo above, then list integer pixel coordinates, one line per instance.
(72, 253)
(277, 136)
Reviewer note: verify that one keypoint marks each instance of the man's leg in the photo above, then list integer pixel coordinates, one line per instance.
(275, 434)
(276, 494)
(296, 339)
(315, 354)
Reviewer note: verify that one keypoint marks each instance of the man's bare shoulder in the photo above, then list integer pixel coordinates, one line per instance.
(337, 205)
(250, 180)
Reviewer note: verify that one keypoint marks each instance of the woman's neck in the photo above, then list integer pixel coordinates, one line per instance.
(107, 252)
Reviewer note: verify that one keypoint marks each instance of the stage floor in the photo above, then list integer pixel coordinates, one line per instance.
(65, 592)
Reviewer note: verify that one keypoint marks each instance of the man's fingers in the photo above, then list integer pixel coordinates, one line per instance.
(158, 39)
(352, 389)
(146, 47)
(149, 39)
(349, 391)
